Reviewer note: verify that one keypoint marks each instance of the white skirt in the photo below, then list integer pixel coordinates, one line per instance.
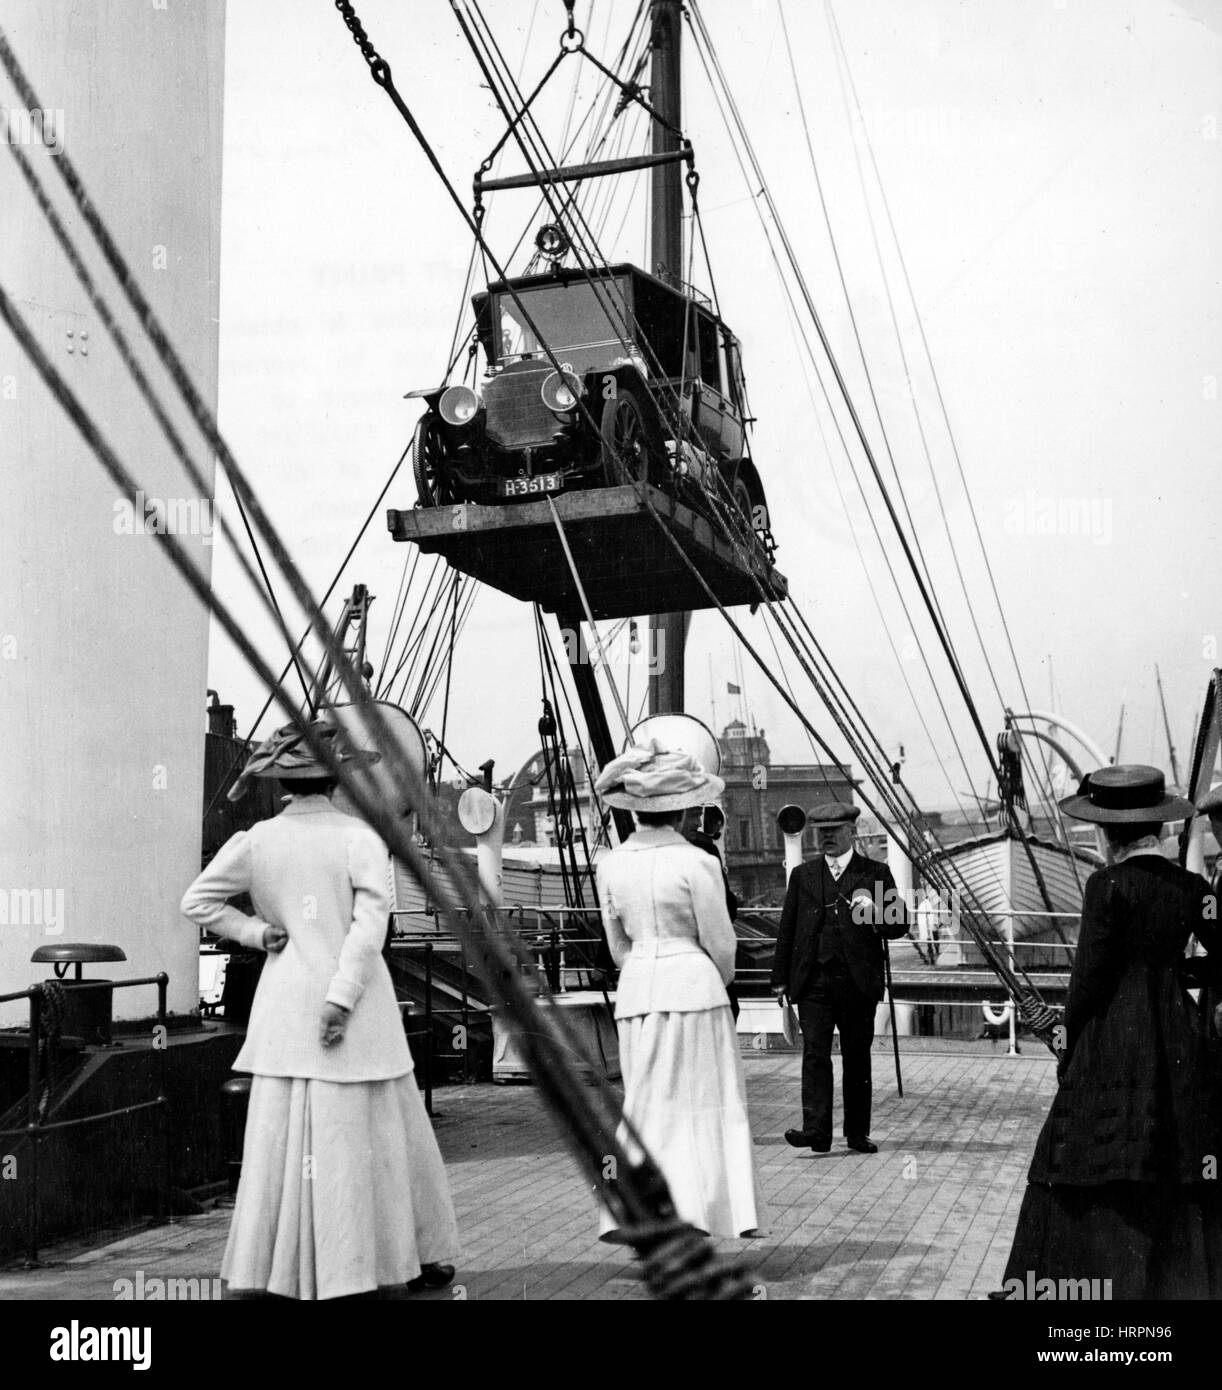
(342, 1190)
(685, 1094)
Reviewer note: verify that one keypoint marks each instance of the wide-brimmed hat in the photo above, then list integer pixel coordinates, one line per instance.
(833, 813)
(288, 757)
(1211, 803)
(1126, 795)
(651, 779)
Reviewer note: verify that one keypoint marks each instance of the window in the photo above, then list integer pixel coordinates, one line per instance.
(744, 834)
(704, 347)
(568, 315)
(734, 372)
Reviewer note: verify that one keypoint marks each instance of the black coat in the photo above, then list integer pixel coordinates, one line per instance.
(807, 909)
(709, 845)
(1138, 1101)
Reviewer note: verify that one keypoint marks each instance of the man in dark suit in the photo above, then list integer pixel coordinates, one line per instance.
(829, 962)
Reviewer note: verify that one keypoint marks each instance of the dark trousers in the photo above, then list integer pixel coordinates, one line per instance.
(833, 1001)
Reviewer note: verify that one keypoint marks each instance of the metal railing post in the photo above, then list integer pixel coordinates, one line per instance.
(466, 1031)
(428, 1027)
(163, 1096)
(32, 1124)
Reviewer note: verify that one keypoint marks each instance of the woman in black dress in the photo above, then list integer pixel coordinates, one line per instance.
(1125, 1183)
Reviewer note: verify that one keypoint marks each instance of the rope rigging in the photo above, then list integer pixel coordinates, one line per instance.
(986, 947)
(674, 1254)
(926, 595)
(848, 86)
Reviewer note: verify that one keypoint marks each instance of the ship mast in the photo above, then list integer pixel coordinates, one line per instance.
(666, 244)
(1175, 772)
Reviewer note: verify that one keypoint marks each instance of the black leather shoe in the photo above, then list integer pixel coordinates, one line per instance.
(860, 1144)
(804, 1139)
(431, 1277)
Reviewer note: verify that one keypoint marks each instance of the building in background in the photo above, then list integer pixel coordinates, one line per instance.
(756, 789)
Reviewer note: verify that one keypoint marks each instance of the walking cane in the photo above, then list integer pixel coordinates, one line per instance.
(895, 1040)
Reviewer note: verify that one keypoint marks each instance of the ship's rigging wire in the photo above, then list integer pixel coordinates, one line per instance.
(445, 705)
(796, 326)
(564, 805)
(590, 1114)
(140, 380)
(222, 786)
(843, 72)
(917, 842)
(927, 598)
(933, 611)
(922, 831)
(588, 1109)
(834, 244)
(915, 839)
(848, 86)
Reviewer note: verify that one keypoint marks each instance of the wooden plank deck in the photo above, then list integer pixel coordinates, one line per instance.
(627, 566)
(929, 1217)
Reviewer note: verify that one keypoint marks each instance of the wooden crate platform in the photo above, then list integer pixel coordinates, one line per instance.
(626, 565)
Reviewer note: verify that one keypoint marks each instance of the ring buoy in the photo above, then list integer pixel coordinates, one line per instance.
(996, 1017)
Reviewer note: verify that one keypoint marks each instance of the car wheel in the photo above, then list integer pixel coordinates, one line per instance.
(431, 463)
(627, 448)
(740, 493)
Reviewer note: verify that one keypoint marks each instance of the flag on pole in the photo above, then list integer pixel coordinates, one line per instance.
(732, 689)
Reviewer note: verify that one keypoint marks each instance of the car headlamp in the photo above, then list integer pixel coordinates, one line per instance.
(458, 405)
(561, 391)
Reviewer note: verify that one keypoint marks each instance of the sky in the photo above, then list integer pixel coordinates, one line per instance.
(1053, 173)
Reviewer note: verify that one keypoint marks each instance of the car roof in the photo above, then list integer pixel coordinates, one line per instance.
(571, 274)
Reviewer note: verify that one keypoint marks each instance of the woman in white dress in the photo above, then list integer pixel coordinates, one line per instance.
(664, 910)
(342, 1190)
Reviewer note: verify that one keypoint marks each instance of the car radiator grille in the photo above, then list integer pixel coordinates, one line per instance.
(516, 416)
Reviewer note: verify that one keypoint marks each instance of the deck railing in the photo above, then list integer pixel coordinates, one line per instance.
(36, 1129)
(552, 932)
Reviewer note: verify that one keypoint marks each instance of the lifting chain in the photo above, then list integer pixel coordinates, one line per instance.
(378, 66)
(572, 39)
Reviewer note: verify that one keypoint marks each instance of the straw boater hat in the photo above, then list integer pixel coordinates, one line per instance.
(287, 757)
(651, 779)
(1126, 795)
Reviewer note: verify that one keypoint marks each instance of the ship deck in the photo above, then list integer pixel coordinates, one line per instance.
(929, 1217)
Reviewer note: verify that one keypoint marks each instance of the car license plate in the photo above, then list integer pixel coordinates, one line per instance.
(532, 487)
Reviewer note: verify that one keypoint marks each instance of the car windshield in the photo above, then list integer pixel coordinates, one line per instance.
(569, 316)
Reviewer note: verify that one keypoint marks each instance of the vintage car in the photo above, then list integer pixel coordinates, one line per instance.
(650, 385)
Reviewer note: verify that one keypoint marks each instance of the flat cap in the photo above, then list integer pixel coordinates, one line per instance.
(833, 813)
(1211, 803)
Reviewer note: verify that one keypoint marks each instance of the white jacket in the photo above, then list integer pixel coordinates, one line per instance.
(664, 910)
(325, 878)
